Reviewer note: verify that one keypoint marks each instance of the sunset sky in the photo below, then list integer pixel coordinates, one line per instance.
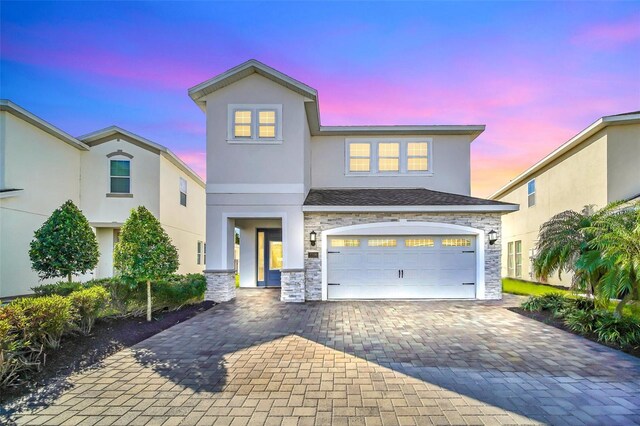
(534, 73)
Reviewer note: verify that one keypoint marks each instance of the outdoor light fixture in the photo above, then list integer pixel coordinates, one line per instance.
(493, 237)
(312, 238)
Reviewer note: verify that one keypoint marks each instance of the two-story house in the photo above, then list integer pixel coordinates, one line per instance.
(335, 212)
(106, 173)
(595, 167)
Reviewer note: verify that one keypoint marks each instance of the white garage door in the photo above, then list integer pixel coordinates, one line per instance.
(401, 267)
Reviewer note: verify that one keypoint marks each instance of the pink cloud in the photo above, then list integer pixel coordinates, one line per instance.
(197, 160)
(610, 35)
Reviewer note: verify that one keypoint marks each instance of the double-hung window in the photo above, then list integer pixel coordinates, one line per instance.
(120, 176)
(417, 157)
(391, 156)
(255, 124)
(531, 193)
(518, 259)
(199, 253)
(360, 157)
(183, 192)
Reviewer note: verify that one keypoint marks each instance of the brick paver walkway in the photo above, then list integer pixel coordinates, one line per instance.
(258, 361)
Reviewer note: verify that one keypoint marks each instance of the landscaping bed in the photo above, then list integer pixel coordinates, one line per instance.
(586, 317)
(109, 335)
(548, 318)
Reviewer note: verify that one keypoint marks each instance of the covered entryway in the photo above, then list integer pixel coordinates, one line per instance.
(401, 267)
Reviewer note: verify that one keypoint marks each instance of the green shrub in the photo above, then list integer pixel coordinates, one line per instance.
(623, 331)
(16, 355)
(41, 320)
(88, 304)
(171, 293)
(555, 302)
(62, 288)
(583, 321)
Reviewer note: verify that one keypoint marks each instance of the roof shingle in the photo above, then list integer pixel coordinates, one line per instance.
(392, 197)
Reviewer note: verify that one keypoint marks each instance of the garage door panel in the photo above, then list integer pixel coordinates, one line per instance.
(432, 267)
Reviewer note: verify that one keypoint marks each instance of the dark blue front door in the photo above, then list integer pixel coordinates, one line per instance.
(269, 257)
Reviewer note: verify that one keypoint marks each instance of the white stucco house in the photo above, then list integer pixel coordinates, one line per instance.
(106, 173)
(339, 212)
(599, 165)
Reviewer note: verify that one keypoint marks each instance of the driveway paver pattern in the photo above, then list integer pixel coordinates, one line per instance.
(257, 361)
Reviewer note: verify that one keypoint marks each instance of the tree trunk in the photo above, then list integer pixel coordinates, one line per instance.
(69, 276)
(148, 300)
(620, 307)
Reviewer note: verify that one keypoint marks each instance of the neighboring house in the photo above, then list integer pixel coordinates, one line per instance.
(599, 165)
(106, 173)
(324, 212)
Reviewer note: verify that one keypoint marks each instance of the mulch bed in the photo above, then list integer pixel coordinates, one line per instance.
(548, 318)
(108, 336)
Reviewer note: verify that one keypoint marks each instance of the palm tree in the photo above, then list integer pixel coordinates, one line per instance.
(617, 237)
(564, 242)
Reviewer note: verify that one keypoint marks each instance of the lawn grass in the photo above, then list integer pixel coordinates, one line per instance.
(525, 288)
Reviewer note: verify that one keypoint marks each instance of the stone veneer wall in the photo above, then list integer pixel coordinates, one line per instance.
(292, 285)
(320, 222)
(221, 285)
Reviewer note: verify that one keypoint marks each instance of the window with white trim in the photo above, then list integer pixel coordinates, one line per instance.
(255, 123)
(341, 242)
(531, 193)
(120, 173)
(199, 252)
(388, 156)
(518, 256)
(382, 242)
(183, 192)
(456, 242)
(417, 156)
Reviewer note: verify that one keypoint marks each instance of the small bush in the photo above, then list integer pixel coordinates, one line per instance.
(62, 288)
(582, 321)
(16, 355)
(623, 331)
(178, 290)
(89, 303)
(554, 302)
(42, 320)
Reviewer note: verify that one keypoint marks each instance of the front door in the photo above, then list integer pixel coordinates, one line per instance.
(269, 257)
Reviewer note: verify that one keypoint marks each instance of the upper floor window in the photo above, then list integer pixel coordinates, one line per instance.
(120, 176)
(183, 192)
(360, 157)
(531, 193)
(255, 124)
(388, 156)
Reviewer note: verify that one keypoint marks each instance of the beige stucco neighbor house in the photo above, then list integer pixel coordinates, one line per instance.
(106, 173)
(599, 165)
(339, 212)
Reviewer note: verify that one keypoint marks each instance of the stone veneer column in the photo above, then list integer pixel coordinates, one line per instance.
(292, 285)
(221, 285)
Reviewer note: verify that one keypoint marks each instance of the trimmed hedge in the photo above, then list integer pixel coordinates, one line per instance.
(582, 316)
(32, 325)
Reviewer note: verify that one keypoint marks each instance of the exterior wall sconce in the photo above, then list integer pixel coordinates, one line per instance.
(312, 238)
(493, 237)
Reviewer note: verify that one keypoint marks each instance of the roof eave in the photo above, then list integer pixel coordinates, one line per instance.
(585, 134)
(161, 149)
(23, 114)
(472, 130)
(425, 208)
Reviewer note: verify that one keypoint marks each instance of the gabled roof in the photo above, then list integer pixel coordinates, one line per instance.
(23, 114)
(584, 135)
(401, 199)
(111, 132)
(252, 66)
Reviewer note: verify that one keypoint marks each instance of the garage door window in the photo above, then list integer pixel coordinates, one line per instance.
(345, 243)
(382, 242)
(456, 242)
(419, 242)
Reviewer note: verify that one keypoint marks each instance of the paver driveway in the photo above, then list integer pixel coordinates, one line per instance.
(258, 361)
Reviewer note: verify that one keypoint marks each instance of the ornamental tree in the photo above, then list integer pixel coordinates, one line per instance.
(64, 245)
(144, 251)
